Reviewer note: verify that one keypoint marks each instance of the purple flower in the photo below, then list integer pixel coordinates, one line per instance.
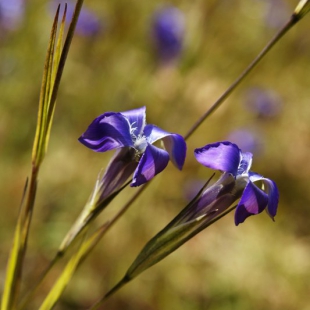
(263, 103)
(168, 32)
(247, 140)
(88, 23)
(228, 158)
(128, 133)
(276, 13)
(11, 13)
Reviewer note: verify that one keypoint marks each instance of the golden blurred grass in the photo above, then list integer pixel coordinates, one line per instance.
(257, 265)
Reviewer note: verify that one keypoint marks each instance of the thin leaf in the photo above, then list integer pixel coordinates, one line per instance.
(63, 57)
(55, 68)
(14, 270)
(39, 145)
(59, 45)
(48, 94)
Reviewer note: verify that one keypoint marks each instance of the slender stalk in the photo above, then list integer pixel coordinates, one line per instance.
(243, 75)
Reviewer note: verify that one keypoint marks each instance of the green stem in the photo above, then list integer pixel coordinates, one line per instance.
(244, 74)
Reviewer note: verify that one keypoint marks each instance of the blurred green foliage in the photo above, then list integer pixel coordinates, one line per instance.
(257, 265)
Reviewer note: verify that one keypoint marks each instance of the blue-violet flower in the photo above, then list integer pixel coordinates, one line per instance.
(227, 157)
(263, 102)
(168, 32)
(128, 133)
(11, 13)
(247, 139)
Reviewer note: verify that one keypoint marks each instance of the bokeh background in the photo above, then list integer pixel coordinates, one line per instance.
(116, 63)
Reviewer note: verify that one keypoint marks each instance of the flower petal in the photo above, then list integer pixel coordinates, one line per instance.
(136, 119)
(154, 133)
(119, 169)
(245, 163)
(273, 197)
(223, 156)
(153, 161)
(253, 176)
(272, 191)
(107, 132)
(174, 143)
(253, 201)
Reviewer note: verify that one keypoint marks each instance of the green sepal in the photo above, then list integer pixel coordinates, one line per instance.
(172, 237)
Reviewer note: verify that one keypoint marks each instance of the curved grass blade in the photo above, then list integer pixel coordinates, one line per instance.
(14, 270)
(53, 68)
(40, 143)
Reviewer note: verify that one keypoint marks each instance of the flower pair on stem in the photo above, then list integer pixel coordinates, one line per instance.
(133, 140)
(237, 182)
(128, 134)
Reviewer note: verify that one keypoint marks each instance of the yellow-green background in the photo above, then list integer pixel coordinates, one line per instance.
(257, 265)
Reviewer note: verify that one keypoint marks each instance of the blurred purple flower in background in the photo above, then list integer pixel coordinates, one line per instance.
(276, 13)
(128, 133)
(11, 13)
(264, 103)
(247, 140)
(168, 33)
(228, 158)
(88, 23)
(190, 188)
